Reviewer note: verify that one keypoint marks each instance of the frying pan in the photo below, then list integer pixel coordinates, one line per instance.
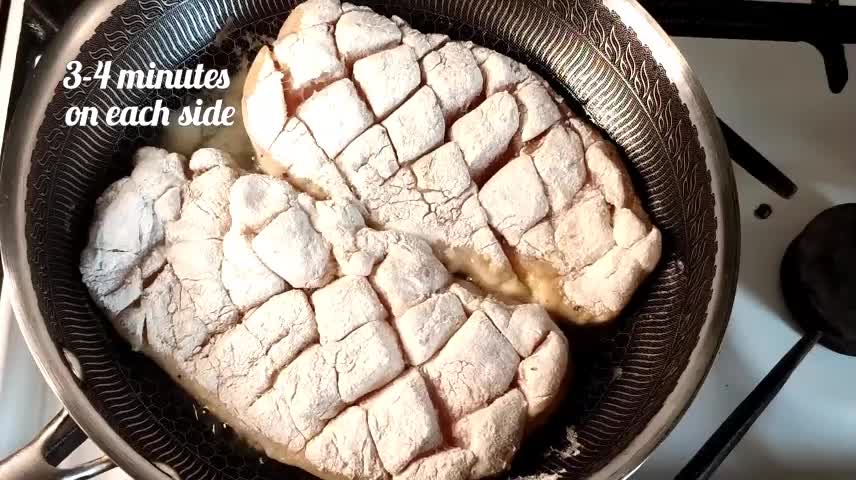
(635, 377)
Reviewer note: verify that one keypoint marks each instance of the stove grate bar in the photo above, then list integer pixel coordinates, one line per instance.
(756, 164)
(825, 24)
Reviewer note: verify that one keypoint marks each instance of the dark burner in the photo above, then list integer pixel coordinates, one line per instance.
(818, 278)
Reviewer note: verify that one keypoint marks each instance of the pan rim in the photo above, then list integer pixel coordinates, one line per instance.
(727, 259)
(17, 158)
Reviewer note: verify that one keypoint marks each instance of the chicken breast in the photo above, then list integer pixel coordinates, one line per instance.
(533, 209)
(537, 210)
(342, 349)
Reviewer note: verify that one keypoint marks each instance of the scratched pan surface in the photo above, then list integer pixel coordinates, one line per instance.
(634, 378)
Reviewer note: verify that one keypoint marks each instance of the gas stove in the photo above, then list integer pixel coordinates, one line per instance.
(777, 75)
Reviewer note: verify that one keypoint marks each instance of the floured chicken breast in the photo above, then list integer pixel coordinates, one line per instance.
(457, 145)
(379, 301)
(348, 351)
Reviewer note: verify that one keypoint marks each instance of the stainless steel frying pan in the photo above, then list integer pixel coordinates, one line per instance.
(635, 377)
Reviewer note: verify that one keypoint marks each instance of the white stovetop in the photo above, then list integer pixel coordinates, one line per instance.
(775, 96)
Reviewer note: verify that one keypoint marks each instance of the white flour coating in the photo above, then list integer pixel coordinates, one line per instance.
(309, 14)
(427, 326)
(335, 116)
(525, 326)
(485, 132)
(194, 247)
(345, 447)
(294, 250)
(108, 259)
(452, 464)
(515, 199)
(417, 127)
(340, 222)
(308, 57)
(477, 365)
(345, 305)
(248, 281)
(255, 200)
(264, 107)
(316, 308)
(493, 433)
(543, 476)
(240, 364)
(454, 75)
(365, 360)
(368, 161)
(295, 153)
(538, 111)
(309, 386)
(501, 74)
(205, 159)
(421, 43)
(560, 162)
(154, 261)
(409, 274)
(540, 376)
(360, 33)
(403, 421)
(387, 78)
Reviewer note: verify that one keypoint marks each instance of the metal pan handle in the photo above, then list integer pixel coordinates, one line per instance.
(40, 458)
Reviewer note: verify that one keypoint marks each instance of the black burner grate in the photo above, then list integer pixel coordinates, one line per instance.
(825, 24)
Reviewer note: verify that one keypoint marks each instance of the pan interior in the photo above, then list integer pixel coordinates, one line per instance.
(624, 371)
